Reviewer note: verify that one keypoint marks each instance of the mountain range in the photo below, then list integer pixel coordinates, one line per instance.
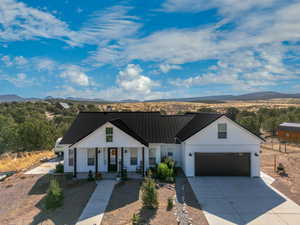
(244, 97)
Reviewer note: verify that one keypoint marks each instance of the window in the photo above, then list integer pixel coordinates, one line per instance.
(109, 134)
(222, 130)
(170, 154)
(152, 158)
(91, 157)
(71, 157)
(133, 157)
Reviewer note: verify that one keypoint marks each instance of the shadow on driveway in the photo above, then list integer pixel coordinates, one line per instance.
(240, 200)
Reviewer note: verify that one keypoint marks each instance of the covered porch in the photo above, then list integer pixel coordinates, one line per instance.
(109, 161)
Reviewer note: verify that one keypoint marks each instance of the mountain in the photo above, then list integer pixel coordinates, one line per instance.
(215, 98)
(11, 98)
(245, 97)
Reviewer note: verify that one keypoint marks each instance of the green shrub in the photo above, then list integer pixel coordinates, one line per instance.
(170, 162)
(149, 193)
(55, 196)
(59, 168)
(165, 173)
(91, 176)
(136, 219)
(170, 203)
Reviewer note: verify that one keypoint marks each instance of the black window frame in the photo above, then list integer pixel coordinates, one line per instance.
(134, 160)
(91, 161)
(108, 134)
(222, 134)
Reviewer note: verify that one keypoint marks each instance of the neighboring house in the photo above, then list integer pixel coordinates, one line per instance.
(289, 132)
(63, 105)
(201, 143)
(59, 148)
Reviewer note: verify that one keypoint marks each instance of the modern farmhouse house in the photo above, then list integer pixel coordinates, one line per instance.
(202, 144)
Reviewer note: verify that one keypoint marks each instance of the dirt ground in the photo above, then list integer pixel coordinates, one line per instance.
(21, 200)
(125, 202)
(290, 183)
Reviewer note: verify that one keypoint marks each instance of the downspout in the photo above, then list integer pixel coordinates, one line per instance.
(75, 163)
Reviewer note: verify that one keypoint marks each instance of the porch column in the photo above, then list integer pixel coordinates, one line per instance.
(96, 163)
(122, 162)
(75, 163)
(143, 159)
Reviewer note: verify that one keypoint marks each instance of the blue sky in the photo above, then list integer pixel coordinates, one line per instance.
(148, 49)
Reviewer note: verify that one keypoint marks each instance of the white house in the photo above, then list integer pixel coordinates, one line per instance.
(202, 144)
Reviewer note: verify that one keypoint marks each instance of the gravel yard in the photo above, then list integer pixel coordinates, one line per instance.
(289, 184)
(25, 194)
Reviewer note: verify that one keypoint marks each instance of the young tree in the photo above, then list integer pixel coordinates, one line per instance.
(149, 193)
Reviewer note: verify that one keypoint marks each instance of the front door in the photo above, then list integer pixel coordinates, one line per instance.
(112, 159)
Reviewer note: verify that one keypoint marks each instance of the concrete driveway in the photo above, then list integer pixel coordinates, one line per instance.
(45, 168)
(243, 200)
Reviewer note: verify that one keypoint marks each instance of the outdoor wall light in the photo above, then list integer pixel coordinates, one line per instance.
(125, 150)
(190, 154)
(256, 154)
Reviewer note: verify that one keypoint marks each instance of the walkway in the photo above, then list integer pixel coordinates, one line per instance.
(95, 208)
(243, 200)
(45, 168)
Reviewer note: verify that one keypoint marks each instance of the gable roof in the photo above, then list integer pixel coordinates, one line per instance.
(145, 127)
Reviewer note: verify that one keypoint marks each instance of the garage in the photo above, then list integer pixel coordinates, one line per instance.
(222, 164)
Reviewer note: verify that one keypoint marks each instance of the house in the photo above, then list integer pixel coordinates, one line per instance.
(289, 132)
(202, 144)
(63, 105)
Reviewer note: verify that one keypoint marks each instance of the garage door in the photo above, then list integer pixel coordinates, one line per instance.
(222, 164)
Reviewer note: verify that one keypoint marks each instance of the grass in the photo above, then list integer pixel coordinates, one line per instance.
(22, 160)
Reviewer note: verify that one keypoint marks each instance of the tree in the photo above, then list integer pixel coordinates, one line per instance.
(55, 195)
(251, 123)
(8, 132)
(36, 134)
(232, 112)
(149, 193)
(206, 109)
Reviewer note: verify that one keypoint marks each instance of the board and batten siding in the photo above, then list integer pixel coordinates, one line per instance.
(207, 141)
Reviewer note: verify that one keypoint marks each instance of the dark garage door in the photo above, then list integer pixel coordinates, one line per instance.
(222, 164)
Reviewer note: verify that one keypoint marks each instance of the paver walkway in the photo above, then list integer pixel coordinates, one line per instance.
(244, 200)
(45, 168)
(95, 208)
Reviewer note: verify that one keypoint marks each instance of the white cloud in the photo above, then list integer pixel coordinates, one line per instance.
(165, 68)
(130, 84)
(131, 79)
(19, 80)
(20, 60)
(110, 24)
(20, 22)
(75, 75)
(17, 60)
(245, 69)
(44, 64)
(225, 6)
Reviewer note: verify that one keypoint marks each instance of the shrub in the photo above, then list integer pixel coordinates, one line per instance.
(149, 193)
(170, 203)
(165, 173)
(55, 196)
(59, 168)
(170, 162)
(91, 176)
(136, 219)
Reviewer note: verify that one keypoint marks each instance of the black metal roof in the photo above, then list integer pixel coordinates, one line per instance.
(146, 127)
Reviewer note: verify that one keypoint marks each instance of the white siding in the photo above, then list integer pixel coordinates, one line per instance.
(206, 140)
(98, 139)
(175, 149)
(67, 168)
